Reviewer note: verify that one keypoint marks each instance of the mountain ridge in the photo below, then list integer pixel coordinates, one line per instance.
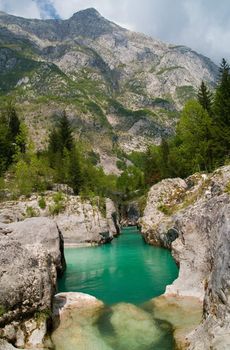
(125, 85)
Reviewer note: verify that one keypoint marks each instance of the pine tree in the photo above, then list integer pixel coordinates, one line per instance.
(205, 97)
(164, 158)
(14, 123)
(65, 133)
(222, 97)
(75, 178)
(222, 114)
(60, 141)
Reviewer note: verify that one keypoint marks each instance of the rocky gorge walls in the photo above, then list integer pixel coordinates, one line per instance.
(191, 217)
(32, 235)
(81, 221)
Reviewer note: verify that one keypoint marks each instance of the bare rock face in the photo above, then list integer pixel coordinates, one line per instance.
(196, 227)
(80, 221)
(215, 331)
(91, 59)
(31, 257)
(155, 220)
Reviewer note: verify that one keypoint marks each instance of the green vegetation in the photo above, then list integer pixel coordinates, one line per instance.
(202, 139)
(227, 188)
(163, 70)
(131, 181)
(31, 212)
(59, 204)
(164, 209)
(42, 202)
(2, 310)
(201, 143)
(42, 315)
(184, 93)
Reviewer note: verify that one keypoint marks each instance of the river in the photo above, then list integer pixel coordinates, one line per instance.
(124, 275)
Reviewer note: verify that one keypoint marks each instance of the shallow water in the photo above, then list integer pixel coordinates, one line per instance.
(127, 270)
(124, 275)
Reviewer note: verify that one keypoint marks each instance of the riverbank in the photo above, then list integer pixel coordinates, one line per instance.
(192, 218)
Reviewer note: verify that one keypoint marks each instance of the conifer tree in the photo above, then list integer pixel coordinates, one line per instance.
(205, 97)
(14, 123)
(222, 97)
(65, 133)
(222, 115)
(75, 178)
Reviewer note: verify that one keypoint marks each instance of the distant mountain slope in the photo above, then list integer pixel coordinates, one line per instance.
(123, 84)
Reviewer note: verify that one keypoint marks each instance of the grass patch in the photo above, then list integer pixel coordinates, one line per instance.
(227, 188)
(42, 203)
(169, 69)
(31, 212)
(59, 204)
(2, 310)
(185, 93)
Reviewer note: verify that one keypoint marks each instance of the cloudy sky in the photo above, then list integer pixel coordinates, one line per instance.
(203, 25)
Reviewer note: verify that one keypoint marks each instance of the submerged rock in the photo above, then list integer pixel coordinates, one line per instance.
(184, 313)
(135, 329)
(83, 322)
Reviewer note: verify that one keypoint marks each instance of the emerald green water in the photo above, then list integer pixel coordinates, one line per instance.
(124, 275)
(127, 270)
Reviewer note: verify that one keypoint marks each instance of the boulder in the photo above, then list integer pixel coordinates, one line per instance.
(134, 328)
(75, 315)
(31, 257)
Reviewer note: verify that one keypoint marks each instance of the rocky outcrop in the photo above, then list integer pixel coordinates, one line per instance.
(31, 258)
(191, 217)
(214, 332)
(81, 221)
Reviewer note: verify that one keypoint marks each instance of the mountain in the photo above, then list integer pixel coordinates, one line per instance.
(121, 87)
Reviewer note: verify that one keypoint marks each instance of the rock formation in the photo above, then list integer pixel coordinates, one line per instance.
(191, 217)
(80, 221)
(31, 258)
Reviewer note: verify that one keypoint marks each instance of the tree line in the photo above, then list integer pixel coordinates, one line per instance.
(202, 138)
(201, 143)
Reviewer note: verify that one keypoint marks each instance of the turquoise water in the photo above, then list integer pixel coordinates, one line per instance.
(127, 270)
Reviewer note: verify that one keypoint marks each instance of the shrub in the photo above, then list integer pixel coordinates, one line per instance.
(2, 310)
(42, 203)
(31, 212)
(58, 205)
(164, 209)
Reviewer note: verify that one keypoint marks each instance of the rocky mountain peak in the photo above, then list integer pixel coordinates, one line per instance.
(90, 23)
(89, 12)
